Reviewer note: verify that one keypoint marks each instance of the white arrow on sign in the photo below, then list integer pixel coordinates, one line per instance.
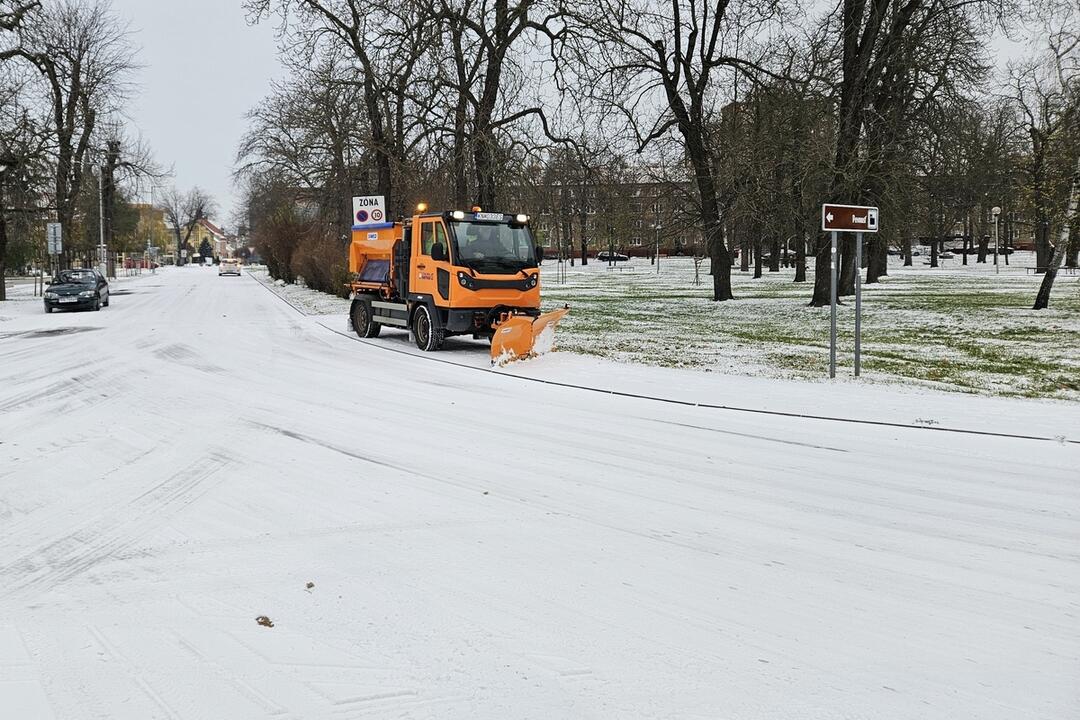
(829, 217)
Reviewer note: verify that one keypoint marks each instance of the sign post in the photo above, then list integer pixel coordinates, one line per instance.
(858, 302)
(848, 218)
(832, 306)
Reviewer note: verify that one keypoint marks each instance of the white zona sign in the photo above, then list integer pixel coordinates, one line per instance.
(368, 210)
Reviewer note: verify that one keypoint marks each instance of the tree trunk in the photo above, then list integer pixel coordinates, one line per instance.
(1072, 255)
(1042, 300)
(875, 259)
(984, 249)
(1043, 249)
(757, 258)
(934, 252)
(774, 258)
(822, 272)
(845, 284)
(800, 258)
(744, 256)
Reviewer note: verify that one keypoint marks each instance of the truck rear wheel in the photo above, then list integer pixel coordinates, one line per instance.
(362, 321)
(429, 336)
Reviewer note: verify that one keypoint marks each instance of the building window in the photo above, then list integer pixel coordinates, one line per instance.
(635, 241)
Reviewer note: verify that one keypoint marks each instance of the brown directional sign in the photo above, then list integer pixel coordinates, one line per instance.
(852, 218)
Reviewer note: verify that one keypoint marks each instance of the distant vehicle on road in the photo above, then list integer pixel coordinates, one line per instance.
(229, 267)
(79, 289)
(606, 256)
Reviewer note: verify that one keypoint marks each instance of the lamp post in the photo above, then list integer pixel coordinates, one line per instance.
(658, 227)
(995, 211)
(101, 219)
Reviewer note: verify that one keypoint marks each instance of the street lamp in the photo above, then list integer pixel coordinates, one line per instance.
(995, 211)
(102, 257)
(658, 227)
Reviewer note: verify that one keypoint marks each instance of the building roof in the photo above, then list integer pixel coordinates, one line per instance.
(214, 229)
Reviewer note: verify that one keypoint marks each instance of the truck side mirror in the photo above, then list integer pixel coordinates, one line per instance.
(438, 252)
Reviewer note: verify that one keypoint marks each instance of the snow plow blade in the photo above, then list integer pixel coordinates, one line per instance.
(522, 336)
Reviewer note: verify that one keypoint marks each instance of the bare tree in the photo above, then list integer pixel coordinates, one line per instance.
(183, 211)
(385, 45)
(1062, 22)
(636, 54)
(83, 54)
(311, 132)
(888, 52)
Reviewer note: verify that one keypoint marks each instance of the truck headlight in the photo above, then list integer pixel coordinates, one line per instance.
(465, 280)
(533, 279)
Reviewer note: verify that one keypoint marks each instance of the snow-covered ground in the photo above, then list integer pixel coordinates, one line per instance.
(481, 545)
(956, 327)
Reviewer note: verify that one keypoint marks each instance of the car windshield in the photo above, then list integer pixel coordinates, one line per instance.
(79, 277)
(493, 246)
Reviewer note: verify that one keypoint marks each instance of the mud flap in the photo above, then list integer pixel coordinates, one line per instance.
(522, 336)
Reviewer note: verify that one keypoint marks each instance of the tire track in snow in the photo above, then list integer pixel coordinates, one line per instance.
(68, 556)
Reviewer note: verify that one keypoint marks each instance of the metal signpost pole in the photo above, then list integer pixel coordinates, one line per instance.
(832, 306)
(858, 302)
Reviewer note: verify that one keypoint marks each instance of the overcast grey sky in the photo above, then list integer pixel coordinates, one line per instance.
(203, 68)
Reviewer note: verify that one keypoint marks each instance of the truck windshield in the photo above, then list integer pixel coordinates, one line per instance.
(493, 246)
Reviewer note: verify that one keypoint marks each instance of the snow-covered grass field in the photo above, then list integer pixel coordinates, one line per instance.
(955, 327)
(432, 538)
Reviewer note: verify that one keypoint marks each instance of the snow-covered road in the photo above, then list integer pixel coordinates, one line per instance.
(484, 547)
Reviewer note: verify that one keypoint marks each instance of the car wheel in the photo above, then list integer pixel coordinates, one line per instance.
(428, 337)
(97, 304)
(48, 309)
(106, 303)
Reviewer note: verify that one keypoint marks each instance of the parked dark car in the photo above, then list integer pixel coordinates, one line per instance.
(79, 289)
(605, 256)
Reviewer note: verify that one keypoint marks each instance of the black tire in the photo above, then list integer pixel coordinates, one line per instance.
(362, 323)
(429, 337)
(106, 303)
(48, 310)
(97, 304)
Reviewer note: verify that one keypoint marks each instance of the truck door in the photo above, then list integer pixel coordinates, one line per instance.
(431, 276)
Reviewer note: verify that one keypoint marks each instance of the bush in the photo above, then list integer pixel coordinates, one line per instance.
(322, 259)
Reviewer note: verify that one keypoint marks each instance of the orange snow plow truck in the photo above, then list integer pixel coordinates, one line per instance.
(453, 272)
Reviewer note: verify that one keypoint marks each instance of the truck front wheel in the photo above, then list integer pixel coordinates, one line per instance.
(429, 336)
(362, 321)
